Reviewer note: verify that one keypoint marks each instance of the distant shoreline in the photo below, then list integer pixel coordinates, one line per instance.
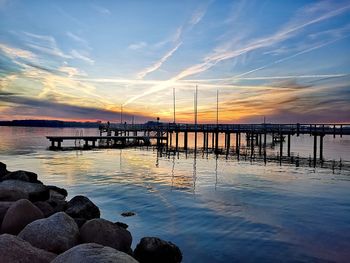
(50, 123)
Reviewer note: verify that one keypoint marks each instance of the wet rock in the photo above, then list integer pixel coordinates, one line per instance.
(155, 250)
(93, 253)
(54, 189)
(3, 169)
(4, 206)
(12, 195)
(15, 249)
(22, 176)
(45, 208)
(129, 213)
(80, 221)
(58, 205)
(56, 233)
(121, 224)
(106, 233)
(20, 214)
(35, 191)
(81, 207)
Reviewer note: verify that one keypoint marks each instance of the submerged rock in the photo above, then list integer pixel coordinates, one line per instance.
(93, 253)
(15, 249)
(56, 233)
(12, 195)
(129, 213)
(106, 233)
(35, 191)
(156, 250)
(20, 214)
(81, 207)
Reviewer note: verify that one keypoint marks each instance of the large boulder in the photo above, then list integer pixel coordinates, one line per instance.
(106, 233)
(156, 250)
(35, 191)
(12, 195)
(3, 169)
(15, 249)
(57, 192)
(45, 208)
(56, 233)
(22, 175)
(4, 206)
(81, 207)
(93, 253)
(20, 214)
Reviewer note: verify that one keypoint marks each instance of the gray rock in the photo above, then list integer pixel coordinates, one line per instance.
(56, 233)
(12, 195)
(80, 221)
(22, 175)
(63, 192)
(15, 249)
(58, 205)
(106, 233)
(20, 214)
(81, 207)
(3, 169)
(127, 214)
(45, 208)
(35, 191)
(4, 206)
(93, 253)
(156, 250)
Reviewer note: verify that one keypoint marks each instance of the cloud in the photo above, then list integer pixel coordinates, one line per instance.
(198, 15)
(44, 108)
(78, 39)
(159, 63)
(138, 45)
(16, 52)
(76, 54)
(102, 10)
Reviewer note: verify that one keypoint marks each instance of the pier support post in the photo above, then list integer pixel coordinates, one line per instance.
(228, 138)
(177, 140)
(288, 145)
(213, 140)
(185, 140)
(315, 149)
(321, 147)
(281, 147)
(216, 142)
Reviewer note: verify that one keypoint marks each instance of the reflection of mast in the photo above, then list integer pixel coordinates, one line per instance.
(194, 175)
(173, 173)
(216, 171)
(195, 119)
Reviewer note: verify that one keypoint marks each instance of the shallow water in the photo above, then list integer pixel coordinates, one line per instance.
(216, 210)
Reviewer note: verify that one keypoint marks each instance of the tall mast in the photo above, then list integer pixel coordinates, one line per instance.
(174, 105)
(217, 107)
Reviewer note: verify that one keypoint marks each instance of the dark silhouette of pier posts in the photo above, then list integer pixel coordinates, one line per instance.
(177, 140)
(216, 141)
(260, 144)
(185, 140)
(281, 146)
(228, 141)
(321, 147)
(212, 140)
(315, 149)
(288, 145)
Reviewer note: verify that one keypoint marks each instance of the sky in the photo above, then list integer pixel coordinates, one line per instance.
(287, 61)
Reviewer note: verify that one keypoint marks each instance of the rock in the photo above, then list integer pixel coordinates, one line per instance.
(45, 208)
(58, 205)
(80, 221)
(82, 207)
(93, 253)
(121, 224)
(4, 206)
(56, 233)
(20, 214)
(125, 214)
(3, 169)
(61, 191)
(15, 249)
(22, 175)
(155, 250)
(35, 191)
(106, 233)
(12, 195)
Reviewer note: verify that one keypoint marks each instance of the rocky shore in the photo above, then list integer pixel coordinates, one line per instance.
(39, 225)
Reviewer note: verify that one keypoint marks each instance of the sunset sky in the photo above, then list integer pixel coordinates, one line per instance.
(82, 60)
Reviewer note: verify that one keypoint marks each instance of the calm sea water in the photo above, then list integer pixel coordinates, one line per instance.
(215, 210)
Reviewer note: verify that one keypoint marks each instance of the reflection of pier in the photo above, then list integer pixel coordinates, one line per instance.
(101, 141)
(255, 133)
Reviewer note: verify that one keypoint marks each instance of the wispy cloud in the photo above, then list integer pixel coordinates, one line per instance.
(78, 39)
(101, 10)
(16, 52)
(158, 64)
(77, 54)
(138, 45)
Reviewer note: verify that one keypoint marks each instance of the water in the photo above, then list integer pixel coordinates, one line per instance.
(216, 210)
